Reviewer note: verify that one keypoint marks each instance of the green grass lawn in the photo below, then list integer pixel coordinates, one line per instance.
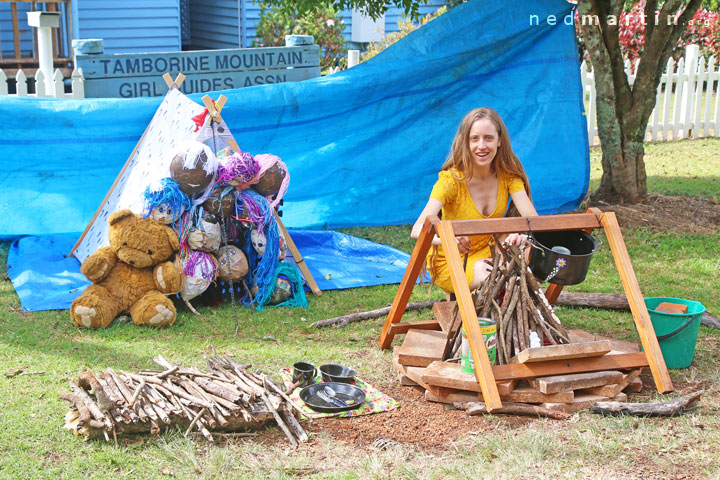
(33, 443)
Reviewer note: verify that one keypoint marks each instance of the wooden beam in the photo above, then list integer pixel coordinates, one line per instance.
(573, 221)
(403, 327)
(16, 29)
(466, 306)
(449, 375)
(637, 303)
(417, 260)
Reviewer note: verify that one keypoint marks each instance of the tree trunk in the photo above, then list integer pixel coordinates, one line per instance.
(623, 111)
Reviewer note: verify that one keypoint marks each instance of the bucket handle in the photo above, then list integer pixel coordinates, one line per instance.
(671, 334)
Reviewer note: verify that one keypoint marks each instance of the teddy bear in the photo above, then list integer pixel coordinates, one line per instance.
(131, 275)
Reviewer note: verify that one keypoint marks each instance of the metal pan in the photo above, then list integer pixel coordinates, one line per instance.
(350, 394)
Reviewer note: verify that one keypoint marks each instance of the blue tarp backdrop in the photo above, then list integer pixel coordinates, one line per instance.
(363, 146)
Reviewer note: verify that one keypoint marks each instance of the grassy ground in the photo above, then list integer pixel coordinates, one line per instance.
(33, 443)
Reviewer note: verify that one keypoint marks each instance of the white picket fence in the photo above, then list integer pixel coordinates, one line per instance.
(41, 90)
(687, 100)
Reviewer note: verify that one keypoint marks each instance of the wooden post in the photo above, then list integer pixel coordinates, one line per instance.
(637, 303)
(417, 259)
(298, 258)
(483, 369)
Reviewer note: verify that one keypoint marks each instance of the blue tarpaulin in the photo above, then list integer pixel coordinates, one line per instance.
(363, 146)
(46, 279)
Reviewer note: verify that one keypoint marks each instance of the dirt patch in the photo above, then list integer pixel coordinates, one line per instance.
(669, 213)
(416, 421)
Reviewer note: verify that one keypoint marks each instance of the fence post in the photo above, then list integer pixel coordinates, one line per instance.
(45, 22)
(3, 83)
(691, 58)
(21, 84)
(39, 84)
(353, 58)
(78, 83)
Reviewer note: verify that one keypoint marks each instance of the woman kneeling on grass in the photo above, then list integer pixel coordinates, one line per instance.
(478, 178)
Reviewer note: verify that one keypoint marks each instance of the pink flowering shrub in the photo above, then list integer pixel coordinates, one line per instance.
(324, 24)
(703, 30)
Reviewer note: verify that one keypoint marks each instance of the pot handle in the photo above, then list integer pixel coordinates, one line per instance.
(531, 239)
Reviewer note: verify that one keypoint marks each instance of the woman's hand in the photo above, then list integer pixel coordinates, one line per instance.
(516, 239)
(463, 244)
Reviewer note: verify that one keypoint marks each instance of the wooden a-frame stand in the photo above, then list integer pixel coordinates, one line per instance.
(487, 374)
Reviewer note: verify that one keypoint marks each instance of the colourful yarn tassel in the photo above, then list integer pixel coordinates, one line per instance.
(168, 193)
(239, 167)
(256, 208)
(297, 299)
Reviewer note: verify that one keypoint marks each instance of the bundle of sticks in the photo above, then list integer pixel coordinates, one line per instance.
(512, 297)
(229, 397)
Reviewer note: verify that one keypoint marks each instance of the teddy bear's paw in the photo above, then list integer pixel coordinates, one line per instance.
(85, 316)
(165, 316)
(168, 278)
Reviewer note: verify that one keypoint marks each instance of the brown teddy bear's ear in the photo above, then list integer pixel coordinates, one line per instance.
(119, 215)
(172, 237)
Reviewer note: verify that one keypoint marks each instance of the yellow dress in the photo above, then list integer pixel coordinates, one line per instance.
(459, 205)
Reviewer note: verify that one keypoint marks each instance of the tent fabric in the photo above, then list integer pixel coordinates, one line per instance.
(46, 279)
(363, 146)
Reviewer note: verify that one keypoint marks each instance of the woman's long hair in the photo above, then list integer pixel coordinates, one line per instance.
(505, 163)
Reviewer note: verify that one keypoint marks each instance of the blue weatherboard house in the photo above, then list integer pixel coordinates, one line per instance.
(136, 26)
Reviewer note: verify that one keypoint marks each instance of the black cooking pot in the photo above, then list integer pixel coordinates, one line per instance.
(562, 257)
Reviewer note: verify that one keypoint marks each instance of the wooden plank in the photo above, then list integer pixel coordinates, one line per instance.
(421, 348)
(483, 369)
(417, 259)
(613, 389)
(405, 381)
(559, 352)
(519, 395)
(634, 386)
(669, 307)
(575, 381)
(637, 303)
(443, 314)
(620, 361)
(578, 336)
(573, 221)
(505, 387)
(403, 327)
(446, 374)
(580, 402)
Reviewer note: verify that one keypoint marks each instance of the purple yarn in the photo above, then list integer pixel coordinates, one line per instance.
(240, 166)
(252, 209)
(204, 261)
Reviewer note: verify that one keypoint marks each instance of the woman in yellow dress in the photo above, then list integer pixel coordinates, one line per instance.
(478, 178)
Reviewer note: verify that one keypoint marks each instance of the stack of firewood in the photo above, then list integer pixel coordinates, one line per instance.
(512, 297)
(228, 397)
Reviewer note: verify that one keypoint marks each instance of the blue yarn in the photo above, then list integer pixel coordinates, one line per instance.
(297, 299)
(170, 195)
(263, 268)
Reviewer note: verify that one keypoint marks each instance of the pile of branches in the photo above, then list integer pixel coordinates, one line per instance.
(512, 297)
(229, 397)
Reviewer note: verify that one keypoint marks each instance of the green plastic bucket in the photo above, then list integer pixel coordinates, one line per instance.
(488, 328)
(677, 333)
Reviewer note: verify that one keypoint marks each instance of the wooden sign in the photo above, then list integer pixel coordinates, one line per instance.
(140, 74)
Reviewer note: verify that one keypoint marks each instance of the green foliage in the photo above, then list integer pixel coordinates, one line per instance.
(371, 8)
(323, 24)
(406, 26)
